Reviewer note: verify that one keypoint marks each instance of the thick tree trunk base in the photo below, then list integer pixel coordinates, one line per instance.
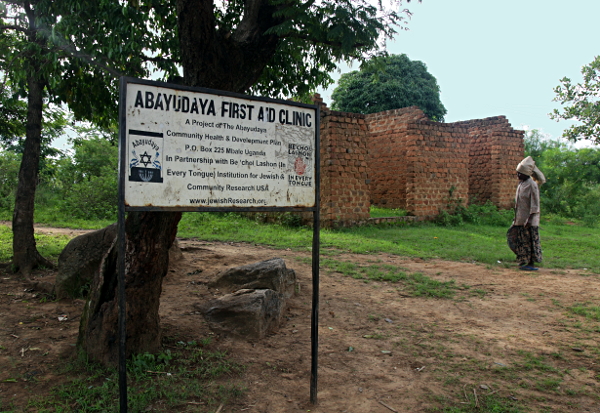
(149, 237)
(25, 263)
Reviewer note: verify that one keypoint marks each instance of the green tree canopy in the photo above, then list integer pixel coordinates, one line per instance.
(572, 188)
(537, 143)
(581, 103)
(47, 61)
(389, 82)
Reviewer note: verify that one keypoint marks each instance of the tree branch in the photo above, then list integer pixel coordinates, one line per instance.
(14, 27)
(308, 39)
(157, 59)
(72, 50)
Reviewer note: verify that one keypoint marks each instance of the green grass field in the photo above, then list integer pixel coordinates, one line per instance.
(565, 245)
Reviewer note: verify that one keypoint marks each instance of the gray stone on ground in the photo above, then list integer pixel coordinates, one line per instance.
(271, 274)
(251, 314)
(80, 260)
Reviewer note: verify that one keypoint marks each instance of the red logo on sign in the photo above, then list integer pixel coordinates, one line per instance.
(299, 166)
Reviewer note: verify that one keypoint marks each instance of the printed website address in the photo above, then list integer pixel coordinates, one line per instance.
(234, 201)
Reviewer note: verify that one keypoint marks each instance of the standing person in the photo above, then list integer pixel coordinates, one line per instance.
(524, 237)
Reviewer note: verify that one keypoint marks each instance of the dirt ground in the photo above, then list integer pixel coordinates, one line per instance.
(381, 350)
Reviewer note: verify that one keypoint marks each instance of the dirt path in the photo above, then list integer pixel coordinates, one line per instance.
(380, 349)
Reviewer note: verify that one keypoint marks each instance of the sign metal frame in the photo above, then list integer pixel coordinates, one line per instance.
(124, 168)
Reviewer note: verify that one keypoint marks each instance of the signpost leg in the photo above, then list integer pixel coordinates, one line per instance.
(315, 309)
(122, 312)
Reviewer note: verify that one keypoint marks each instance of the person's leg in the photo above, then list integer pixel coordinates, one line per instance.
(523, 246)
(534, 249)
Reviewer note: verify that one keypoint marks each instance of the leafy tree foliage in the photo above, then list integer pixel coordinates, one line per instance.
(389, 82)
(80, 184)
(572, 188)
(13, 113)
(536, 143)
(582, 103)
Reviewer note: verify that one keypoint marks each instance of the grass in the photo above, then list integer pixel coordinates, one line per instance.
(377, 212)
(415, 284)
(491, 403)
(184, 375)
(48, 245)
(587, 310)
(565, 246)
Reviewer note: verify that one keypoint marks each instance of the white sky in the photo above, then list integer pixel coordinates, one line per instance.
(501, 58)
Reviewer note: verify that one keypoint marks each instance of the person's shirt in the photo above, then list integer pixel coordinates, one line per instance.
(527, 201)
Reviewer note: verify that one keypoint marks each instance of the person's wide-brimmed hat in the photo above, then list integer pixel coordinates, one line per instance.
(527, 167)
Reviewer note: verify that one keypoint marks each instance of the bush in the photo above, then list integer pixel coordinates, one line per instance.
(588, 207)
(93, 198)
(286, 219)
(9, 174)
(487, 214)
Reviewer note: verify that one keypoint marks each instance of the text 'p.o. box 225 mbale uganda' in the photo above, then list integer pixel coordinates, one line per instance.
(187, 148)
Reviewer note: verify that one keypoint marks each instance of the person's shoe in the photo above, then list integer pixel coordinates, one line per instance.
(527, 268)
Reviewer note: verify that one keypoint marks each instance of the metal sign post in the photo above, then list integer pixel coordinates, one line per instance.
(195, 149)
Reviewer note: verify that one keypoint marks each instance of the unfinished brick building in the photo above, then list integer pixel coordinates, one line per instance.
(401, 159)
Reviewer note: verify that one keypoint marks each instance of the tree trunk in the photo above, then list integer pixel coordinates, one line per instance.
(149, 237)
(222, 60)
(25, 254)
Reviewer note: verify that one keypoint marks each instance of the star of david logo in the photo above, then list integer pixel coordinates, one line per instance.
(145, 159)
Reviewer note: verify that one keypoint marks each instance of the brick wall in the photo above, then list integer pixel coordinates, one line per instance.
(401, 159)
(439, 167)
(389, 142)
(425, 161)
(419, 165)
(344, 187)
(495, 150)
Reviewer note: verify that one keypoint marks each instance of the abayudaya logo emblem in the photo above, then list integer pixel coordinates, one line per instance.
(145, 162)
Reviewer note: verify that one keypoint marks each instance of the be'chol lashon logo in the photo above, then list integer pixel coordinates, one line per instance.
(145, 156)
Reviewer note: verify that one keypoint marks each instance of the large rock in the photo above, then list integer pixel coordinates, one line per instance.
(271, 274)
(80, 261)
(247, 313)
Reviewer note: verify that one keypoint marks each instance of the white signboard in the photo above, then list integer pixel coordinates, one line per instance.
(190, 149)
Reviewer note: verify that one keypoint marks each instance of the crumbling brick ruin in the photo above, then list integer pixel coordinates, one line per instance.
(401, 159)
